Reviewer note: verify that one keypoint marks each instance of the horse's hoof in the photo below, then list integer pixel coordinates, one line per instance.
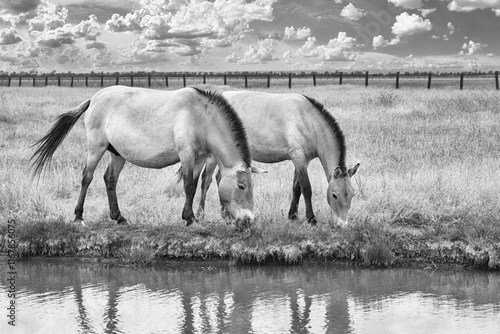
(313, 221)
(190, 221)
(292, 216)
(122, 221)
(79, 221)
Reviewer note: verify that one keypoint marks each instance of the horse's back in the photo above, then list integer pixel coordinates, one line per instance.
(141, 124)
(278, 125)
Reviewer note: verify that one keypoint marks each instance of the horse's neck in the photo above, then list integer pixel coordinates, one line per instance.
(328, 153)
(222, 146)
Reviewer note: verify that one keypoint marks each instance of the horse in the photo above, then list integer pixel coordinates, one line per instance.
(298, 128)
(155, 129)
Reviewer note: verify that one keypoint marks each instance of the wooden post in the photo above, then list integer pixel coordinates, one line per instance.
(72, 80)
(366, 79)
(289, 80)
(461, 80)
(340, 78)
(496, 80)
(204, 79)
(102, 80)
(225, 80)
(131, 80)
(246, 81)
(117, 80)
(59, 80)
(46, 80)
(20, 78)
(397, 80)
(184, 80)
(149, 80)
(86, 81)
(429, 80)
(9, 81)
(34, 81)
(166, 81)
(268, 81)
(314, 80)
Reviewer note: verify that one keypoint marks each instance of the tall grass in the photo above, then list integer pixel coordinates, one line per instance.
(429, 168)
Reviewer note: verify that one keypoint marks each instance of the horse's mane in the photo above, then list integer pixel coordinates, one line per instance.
(334, 126)
(233, 120)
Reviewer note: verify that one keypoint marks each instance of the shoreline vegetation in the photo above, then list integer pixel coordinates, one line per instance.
(427, 189)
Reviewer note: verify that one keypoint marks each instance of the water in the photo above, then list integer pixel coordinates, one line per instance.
(61, 296)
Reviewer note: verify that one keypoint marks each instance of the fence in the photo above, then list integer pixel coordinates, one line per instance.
(246, 80)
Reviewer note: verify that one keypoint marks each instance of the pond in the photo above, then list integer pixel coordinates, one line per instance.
(62, 296)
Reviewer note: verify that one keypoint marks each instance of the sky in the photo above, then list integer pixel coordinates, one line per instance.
(249, 35)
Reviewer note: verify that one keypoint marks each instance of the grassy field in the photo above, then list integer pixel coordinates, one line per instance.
(428, 186)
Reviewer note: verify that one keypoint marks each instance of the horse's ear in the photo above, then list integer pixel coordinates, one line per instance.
(353, 170)
(337, 173)
(257, 170)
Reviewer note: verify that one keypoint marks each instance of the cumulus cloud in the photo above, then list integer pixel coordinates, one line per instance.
(351, 12)
(89, 29)
(410, 24)
(16, 7)
(47, 16)
(426, 11)
(309, 48)
(471, 48)
(262, 54)
(55, 38)
(297, 34)
(470, 5)
(9, 36)
(451, 28)
(408, 4)
(96, 45)
(380, 42)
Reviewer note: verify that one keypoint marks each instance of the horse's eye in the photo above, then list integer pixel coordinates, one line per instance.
(241, 186)
(334, 195)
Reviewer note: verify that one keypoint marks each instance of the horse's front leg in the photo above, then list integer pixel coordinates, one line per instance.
(305, 187)
(206, 180)
(188, 174)
(294, 205)
(111, 179)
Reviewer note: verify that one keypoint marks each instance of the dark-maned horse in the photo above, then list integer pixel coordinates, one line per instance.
(155, 129)
(293, 127)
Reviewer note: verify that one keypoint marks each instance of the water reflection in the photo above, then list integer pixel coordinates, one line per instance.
(68, 297)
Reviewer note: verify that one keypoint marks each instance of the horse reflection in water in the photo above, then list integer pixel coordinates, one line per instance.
(298, 128)
(155, 129)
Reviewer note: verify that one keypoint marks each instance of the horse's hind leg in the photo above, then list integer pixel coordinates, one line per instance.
(94, 155)
(111, 179)
(294, 205)
(187, 163)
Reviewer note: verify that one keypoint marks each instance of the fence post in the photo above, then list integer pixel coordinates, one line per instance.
(46, 80)
(20, 78)
(496, 80)
(34, 81)
(204, 78)
(397, 80)
(314, 79)
(86, 81)
(268, 81)
(429, 80)
(9, 81)
(102, 80)
(59, 80)
(225, 80)
(166, 81)
(117, 80)
(461, 80)
(184, 80)
(149, 80)
(340, 78)
(246, 81)
(131, 80)
(289, 80)
(366, 79)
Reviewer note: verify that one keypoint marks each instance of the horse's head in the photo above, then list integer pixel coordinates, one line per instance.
(340, 193)
(236, 192)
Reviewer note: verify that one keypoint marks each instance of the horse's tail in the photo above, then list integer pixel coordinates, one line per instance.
(48, 144)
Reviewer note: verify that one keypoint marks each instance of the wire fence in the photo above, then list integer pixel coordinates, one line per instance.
(429, 80)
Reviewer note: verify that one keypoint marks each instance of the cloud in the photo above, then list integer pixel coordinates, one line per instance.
(451, 28)
(96, 45)
(426, 11)
(16, 7)
(55, 38)
(351, 12)
(262, 54)
(300, 34)
(309, 48)
(9, 36)
(410, 24)
(471, 48)
(89, 29)
(470, 5)
(408, 4)
(380, 42)
(46, 17)
(337, 48)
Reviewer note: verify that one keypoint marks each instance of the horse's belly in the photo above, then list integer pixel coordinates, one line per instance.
(148, 154)
(269, 153)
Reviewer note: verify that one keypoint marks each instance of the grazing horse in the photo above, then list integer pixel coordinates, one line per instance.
(298, 128)
(155, 129)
